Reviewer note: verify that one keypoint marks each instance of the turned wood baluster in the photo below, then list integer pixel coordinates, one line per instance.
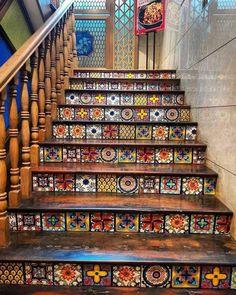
(58, 66)
(48, 89)
(34, 149)
(70, 41)
(4, 222)
(62, 63)
(75, 56)
(66, 54)
(53, 75)
(15, 192)
(41, 85)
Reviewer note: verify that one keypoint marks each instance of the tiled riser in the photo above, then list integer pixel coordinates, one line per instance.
(125, 131)
(125, 154)
(157, 276)
(121, 222)
(127, 98)
(127, 75)
(77, 84)
(123, 114)
(125, 184)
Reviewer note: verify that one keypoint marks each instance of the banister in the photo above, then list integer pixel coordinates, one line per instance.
(19, 58)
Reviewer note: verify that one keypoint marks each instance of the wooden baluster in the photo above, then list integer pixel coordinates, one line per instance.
(25, 136)
(62, 64)
(4, 221)
(41, 95)
(15, 192)
(48, 89)
(58, 66)
(53, 75)
(70, 42)
(75, 56)
(66, 54)
(34, 149)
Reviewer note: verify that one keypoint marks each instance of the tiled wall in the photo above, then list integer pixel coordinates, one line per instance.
(201, 44)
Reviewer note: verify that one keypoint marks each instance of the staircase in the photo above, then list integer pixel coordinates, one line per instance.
(122, 199)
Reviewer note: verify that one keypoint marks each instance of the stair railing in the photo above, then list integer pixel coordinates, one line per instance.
(43, 63)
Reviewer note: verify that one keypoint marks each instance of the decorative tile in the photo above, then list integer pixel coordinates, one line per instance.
(52, 154)
(177, 133)
(97, 275)
(127, 114)
(183, 155)
(151, 86)
(167, 87)
(157, 115)
(64, 182)
(90, 85)
(11, 274)
(29, 221)
(202, 224)
(126, 276)
(186, 276)
(97, 114)
(158, 276)
(130, 75)
(82, 114)
(86, 98)
(154, 99)
(85, 183)
(127, 132)
(110, 131)
(112, 114)
(126, 99)
(109, 155)
(145, 155)
(177, 223)
(153, 75)
(164, 155)
(191, 132)
(215, 277)
(127, 184)
(222, 224)
(113, 99)
(180, 99)
(160, 132)
(233, 278)
(39, 273)
(149, 184)
(152, 223)
(143, 131)
(90, 154)
(100, 99)
(102, 221)
(127, 222)
(114, 86)
(127, 86)
(72, 98)
(67, 274)
(140, 86)
(141, 75)
(77, 131)
(71, 154)
(141, 115)
(140, 99)
(127, 154)
(198, 156)
(170, 185)
(77, 221)
(209, 185)
(94, 131)
(185, 115)
(95, 75)
(102, 86)
(165, 75)
(12, 221)
(106, 183)
(192, 185)
(53, 221)
(61, 131)
(66, 114)
(168, 100)
(43, 182)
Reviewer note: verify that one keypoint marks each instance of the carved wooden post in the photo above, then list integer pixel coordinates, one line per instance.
(70, 41)
(34, 149)
(4, 222)
(41, 95)
(58, 66)
(48, 89)
(15, 192)
(75, 56)
(53, 75)
(25, 136)
(66, 54)
(62, 63)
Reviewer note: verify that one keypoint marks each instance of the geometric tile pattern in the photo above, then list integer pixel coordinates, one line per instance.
(11, 273)
(39, 273)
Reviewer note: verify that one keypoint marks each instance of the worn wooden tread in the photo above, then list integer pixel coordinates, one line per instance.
(69, 90)
(121, 248)
(48, 290)
(58, 201)
(69, 122)
(122, 70)
(134, 80)
(66, 105)
(122, 168)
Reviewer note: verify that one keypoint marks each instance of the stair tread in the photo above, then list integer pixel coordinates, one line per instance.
(130, 168)
(125, 91)
(123, 122)
(123, 70)
(124, 106)
(122, 248)
(144, 80)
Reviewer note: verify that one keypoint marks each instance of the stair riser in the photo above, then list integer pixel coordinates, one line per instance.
(124, 99)
(107, 130)
(123, 222)
(118, 275)
(117, 114)
(124, 183)
(124, 154)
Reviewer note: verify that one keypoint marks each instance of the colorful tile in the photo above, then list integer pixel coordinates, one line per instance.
(126, 276)
(66, 114)
(97, 114)
(151, 86)
(94, 131)
(154, 99)
(86, 98)
(191, 132)
(97, 275)
(164, 155)
(77, 221)
(157, 115)
(177, 223)
(113, 99)
(71, 154)
(209, 185)
(82, 114)
(127, 222)
(102, 86)
(170, 185)
(141, 115)
(109, 155)
(64, 182)
(130, 75)
(160, 132)
(222, 224)
(53, 221)
(177, 133)
(145, 155)
(127, 184)
(143, 131)
(43, 182)
(11, 274)
(127, 154)
(110, 131)
(72, 98)
(29, 221)
(183, 155)
(186, 276)
(127, 99)
(90, 85)
(185, 115)
(140, 86)
(67, 274)
(112, 115)
(52, 154)
(158, 276)
(127, 132)
(149, 184)
(180, 99)
(126, 86)
(61, 131)
(192, 185)
(152, 223)
(127, 114)
(198, 156)
(12, 221)
(90, 154)
(39, 273)
(140, 99)
(85, 183)
(114, 86)
(77, 131)
(100, 99)
(202, 224)
(215, 277)
(233, 278)
(102, 221)
(168, 100)
(106, 183)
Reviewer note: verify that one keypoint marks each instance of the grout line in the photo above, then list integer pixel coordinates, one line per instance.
(221, 167)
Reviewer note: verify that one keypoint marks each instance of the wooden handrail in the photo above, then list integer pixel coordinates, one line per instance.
(19, 58)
